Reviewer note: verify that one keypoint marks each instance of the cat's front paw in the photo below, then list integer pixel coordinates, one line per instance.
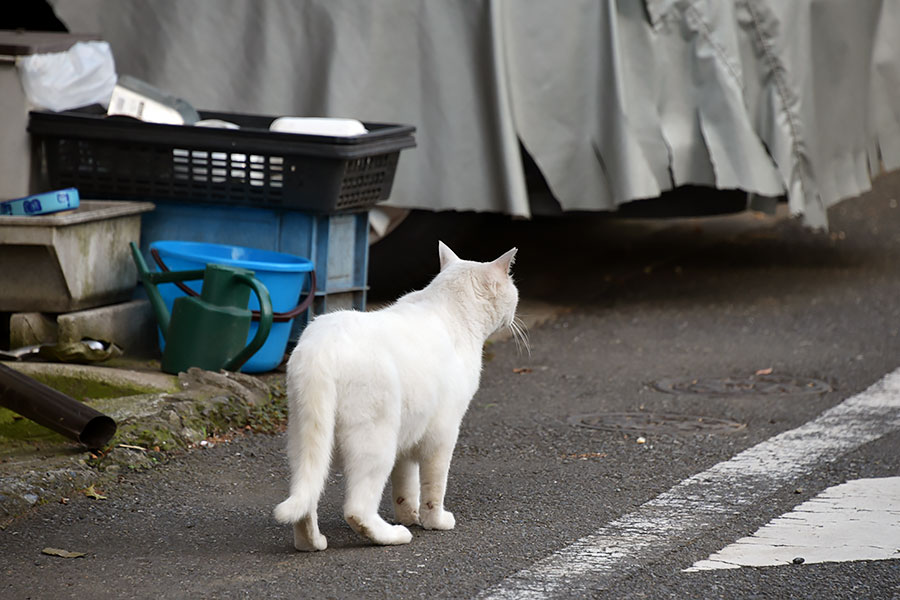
(438, 518)
(405, 513)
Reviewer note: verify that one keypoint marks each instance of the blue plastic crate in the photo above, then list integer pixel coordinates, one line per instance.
(337, 244)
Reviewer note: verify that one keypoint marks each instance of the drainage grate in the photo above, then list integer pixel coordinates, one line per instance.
(655, 422)
(772, 384)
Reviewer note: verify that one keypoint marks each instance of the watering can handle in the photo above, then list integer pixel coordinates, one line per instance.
(265, 322)
(282, 317)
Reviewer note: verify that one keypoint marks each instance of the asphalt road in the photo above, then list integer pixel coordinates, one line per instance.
(640, 307)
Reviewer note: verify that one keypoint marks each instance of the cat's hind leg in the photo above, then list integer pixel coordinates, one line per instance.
(405, 491)
(368, 461)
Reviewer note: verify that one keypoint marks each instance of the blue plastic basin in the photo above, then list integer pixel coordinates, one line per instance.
(284, 275)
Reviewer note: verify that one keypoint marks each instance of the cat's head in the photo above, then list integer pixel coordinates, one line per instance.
(490, 283)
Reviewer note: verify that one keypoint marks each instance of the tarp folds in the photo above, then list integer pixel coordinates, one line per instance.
(615, 100)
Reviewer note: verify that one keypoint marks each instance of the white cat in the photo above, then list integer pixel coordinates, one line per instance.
(390, 388)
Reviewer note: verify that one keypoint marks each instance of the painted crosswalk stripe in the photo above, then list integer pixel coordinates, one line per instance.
(707, 499)
(856, 520)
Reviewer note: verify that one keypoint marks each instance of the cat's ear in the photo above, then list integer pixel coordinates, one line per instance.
(446, 254)
(505, 262)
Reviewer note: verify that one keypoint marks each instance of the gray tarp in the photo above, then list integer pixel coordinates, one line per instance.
(615, 100)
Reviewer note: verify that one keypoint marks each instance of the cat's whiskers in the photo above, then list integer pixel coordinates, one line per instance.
(520, 335)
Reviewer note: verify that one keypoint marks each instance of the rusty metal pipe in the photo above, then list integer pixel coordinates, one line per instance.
(54, 410)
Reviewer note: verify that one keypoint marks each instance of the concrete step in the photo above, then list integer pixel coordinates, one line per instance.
(129, 325)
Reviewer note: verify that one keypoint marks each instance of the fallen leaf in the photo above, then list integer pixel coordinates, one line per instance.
(62, 553)
(765, 371)
(63, 500)
(93, 494)
(521, 370)
(586, 455)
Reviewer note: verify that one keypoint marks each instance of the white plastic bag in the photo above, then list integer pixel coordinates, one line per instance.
(84, 74)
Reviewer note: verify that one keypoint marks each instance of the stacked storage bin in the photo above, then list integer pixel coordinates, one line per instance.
(307, 195)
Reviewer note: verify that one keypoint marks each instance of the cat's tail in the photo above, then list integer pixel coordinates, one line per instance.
(313, 401)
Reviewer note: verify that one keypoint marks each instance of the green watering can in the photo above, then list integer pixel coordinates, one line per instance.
(209, 331)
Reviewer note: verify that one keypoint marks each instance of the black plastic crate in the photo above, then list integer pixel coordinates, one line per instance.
(121, 158)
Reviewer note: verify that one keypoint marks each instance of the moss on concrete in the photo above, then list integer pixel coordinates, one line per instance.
(87, 388)
(151, 426)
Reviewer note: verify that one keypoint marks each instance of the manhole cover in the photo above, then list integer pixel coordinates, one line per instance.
(658, 422)
(772, 384)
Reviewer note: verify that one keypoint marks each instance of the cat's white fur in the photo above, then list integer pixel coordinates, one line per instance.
(389, 388)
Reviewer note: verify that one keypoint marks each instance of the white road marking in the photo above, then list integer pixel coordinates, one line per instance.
(857, 520)
(701, 502)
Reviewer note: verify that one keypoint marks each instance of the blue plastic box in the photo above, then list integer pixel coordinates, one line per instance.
(41, 204)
